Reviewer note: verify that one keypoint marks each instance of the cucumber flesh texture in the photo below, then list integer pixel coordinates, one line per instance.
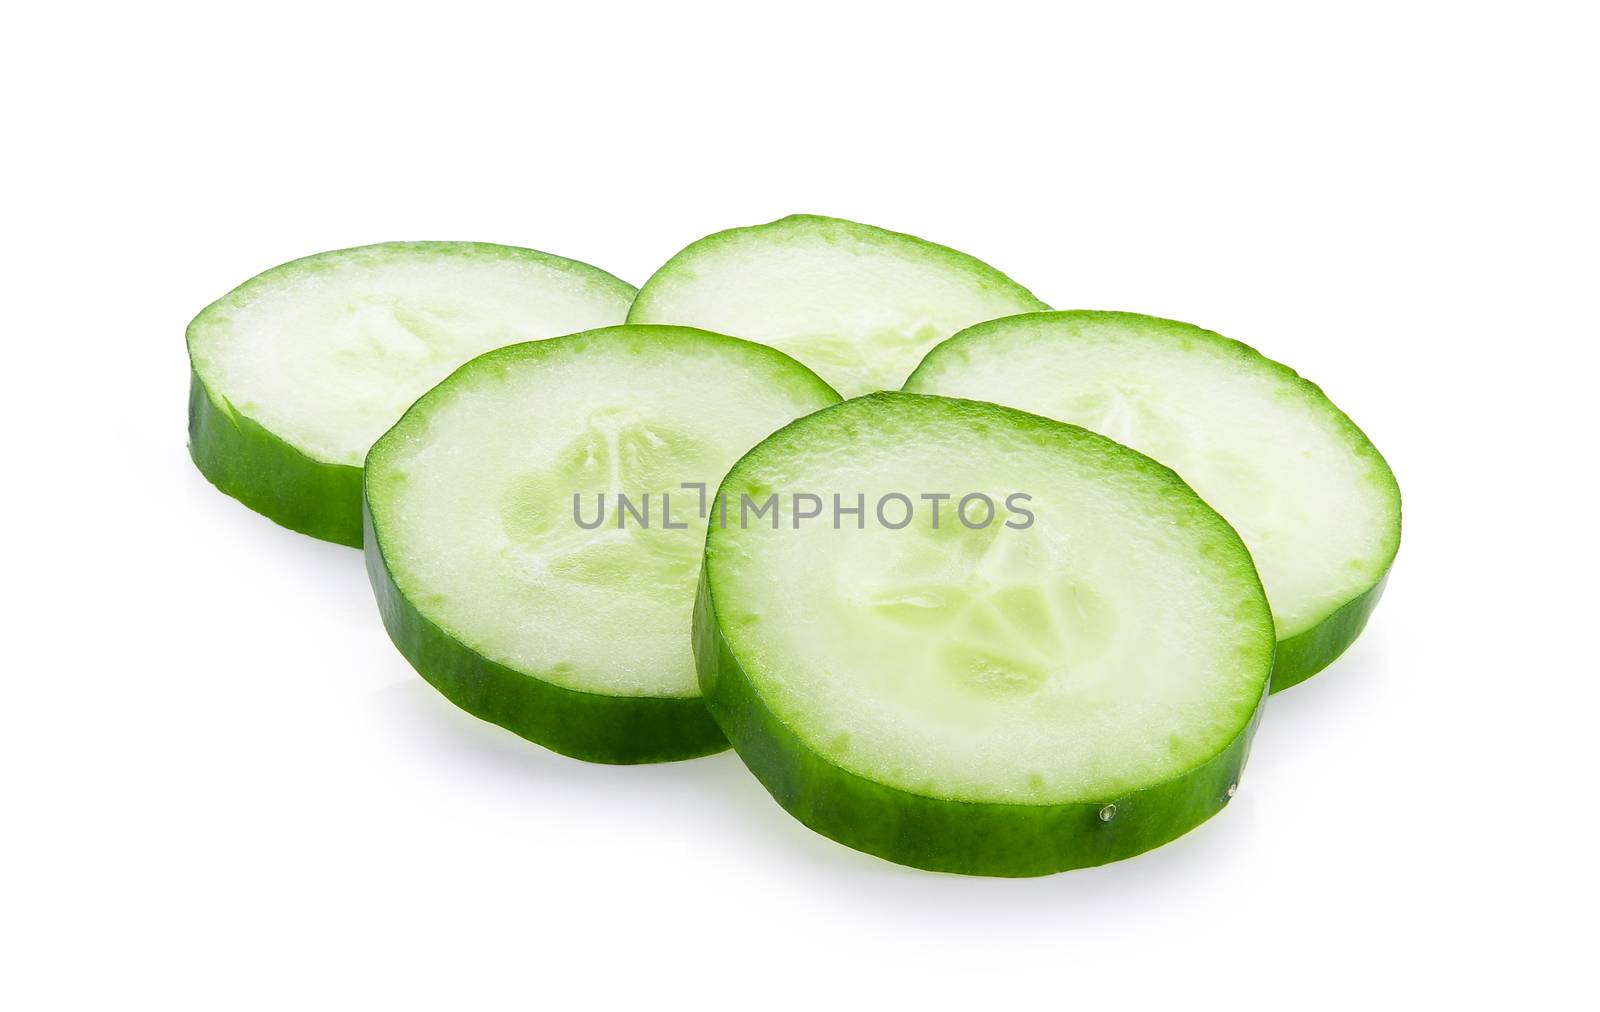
(1119, 643)
(858, 304)
(1307, 491)
(471, 497)
(318, 357)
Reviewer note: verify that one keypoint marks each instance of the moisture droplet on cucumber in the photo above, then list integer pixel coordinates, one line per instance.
(1307, 491)
(1015, 697)
(499, 587)
(299, 369)
(858, 304)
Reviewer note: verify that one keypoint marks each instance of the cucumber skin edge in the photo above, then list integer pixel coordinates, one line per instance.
(271, 477)
(936, 834)
(1306, 653)
(583, 725)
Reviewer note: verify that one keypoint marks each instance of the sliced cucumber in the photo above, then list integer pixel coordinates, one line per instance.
(295, 372)
(487, 574)
(1307, 491)
(860, 305)
(1011, 698)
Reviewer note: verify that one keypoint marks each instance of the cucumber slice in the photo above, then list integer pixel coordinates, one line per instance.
(1015, 698)
(574, 638)
(860, 305)
(1307, 491)
(296, 372)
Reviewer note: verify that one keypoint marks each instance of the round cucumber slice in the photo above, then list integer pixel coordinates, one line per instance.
(1307, 491)
(296, 372)
(860, 305)
(1073, 682)
(497, 573)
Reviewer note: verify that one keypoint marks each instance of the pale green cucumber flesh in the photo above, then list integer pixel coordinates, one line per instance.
(987, 700)
(1308, 492)
(474, 527)
(299, 369)
(860, 305)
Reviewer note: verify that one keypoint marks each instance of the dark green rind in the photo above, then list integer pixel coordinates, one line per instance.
(271, 476)
(1307, 652)
(1304, 654)
(936, 834)
(268, 475)
(584, 725)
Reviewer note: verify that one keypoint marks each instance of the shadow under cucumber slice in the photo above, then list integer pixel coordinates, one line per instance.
(1304, 487)
(504, 567)
(1073, 682)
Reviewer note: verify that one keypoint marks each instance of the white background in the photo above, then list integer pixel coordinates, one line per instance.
(223, 788)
